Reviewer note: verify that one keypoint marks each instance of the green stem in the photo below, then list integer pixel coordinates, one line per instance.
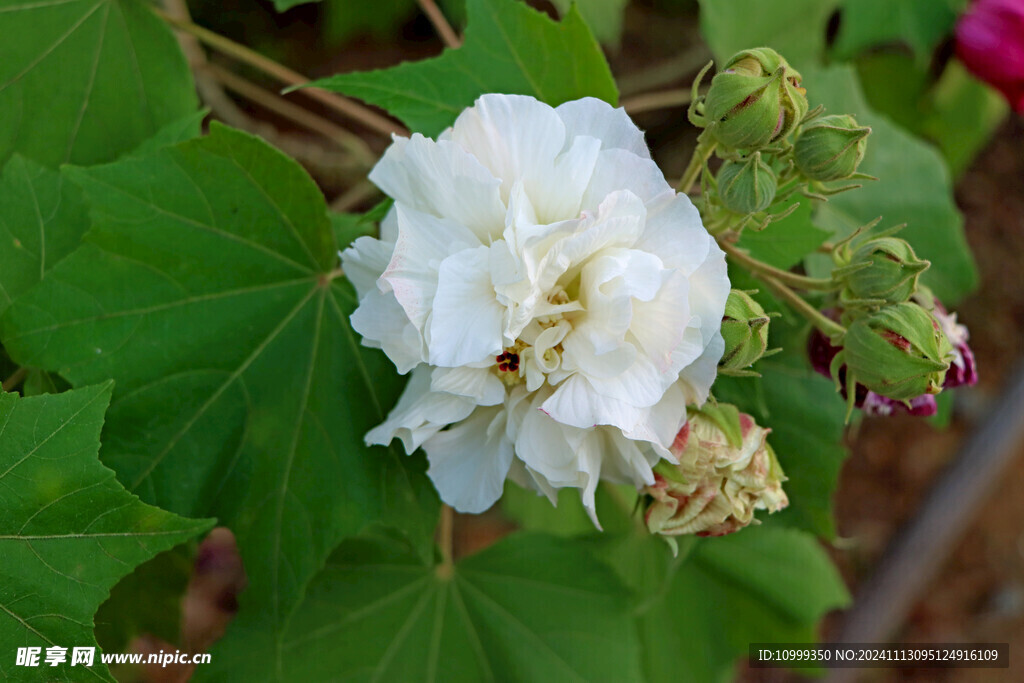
(785, 277)
(445, 541)
(705, 147)
(828, 327)
(15, 379)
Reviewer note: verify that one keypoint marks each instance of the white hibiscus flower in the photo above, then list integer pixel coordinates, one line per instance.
(556, 302)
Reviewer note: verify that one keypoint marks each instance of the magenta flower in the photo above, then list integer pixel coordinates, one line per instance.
(990, 43)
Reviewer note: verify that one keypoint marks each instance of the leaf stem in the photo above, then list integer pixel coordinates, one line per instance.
(15, 379)
(349, 141)
(662, 99)
(344, 106)
(446, 542)
(441, 25)
(785, 277)
(828, 327)
(705, 147)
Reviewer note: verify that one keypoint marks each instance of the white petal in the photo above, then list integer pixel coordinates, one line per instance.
(617, 170)
(577, 404)
(598, 119)
(479, 384)
(697, 377)
(658, 325)
(467, 320)
(420, 413)
(424, 241)
(383, 325)
(709, 290)
(513, 136)
(469, 462)
(675, 233)
(442, 179)
(364, 261)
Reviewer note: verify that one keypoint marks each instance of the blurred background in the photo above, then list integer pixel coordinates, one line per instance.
(912, 71)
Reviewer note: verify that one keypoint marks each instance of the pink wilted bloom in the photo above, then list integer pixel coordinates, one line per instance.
(822, 352)
(990, 43)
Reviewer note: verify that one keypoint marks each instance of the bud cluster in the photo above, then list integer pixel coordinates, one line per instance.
(755, 117)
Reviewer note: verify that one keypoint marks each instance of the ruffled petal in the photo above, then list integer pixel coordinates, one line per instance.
(419, 414)
(598, 119)
(442, 179)
(364, 261)
(469, 462)
(479, 384)
(383, 325)
(424, 241)
(467, 320)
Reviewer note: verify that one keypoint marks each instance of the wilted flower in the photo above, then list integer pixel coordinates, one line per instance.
(990, 42)
(719, 481)
(557, 302)
(962, 368)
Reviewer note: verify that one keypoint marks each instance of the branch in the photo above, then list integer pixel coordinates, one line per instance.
(344, 106)
(441, 25)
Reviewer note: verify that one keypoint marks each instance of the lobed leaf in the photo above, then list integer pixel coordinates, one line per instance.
(208, 288)
(68, 530)
(83, 81)
(529, 608)
(509, 48)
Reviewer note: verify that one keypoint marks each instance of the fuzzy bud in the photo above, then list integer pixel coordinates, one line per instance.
(898, 351)
(755, 100)
(831, 148)
(746, 186)
(726, 470)
(745, 330)
(878, 271)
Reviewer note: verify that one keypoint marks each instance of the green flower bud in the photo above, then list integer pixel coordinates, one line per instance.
(745, 330)
(831, 148)
(748, 186)
(898, 351)
(755, 100)
(881, 270)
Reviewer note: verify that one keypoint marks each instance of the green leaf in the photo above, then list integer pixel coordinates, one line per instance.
(604, 17)
(208, 289)
(795, 28)
(347, 227)
(82, 81)
(69, 531)
(147, 601)
(919, 24)
(509, 48)
(615, 505)
(700, 611)
(42, 220)
(529, 608)
(913, 187)
(43, 217)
